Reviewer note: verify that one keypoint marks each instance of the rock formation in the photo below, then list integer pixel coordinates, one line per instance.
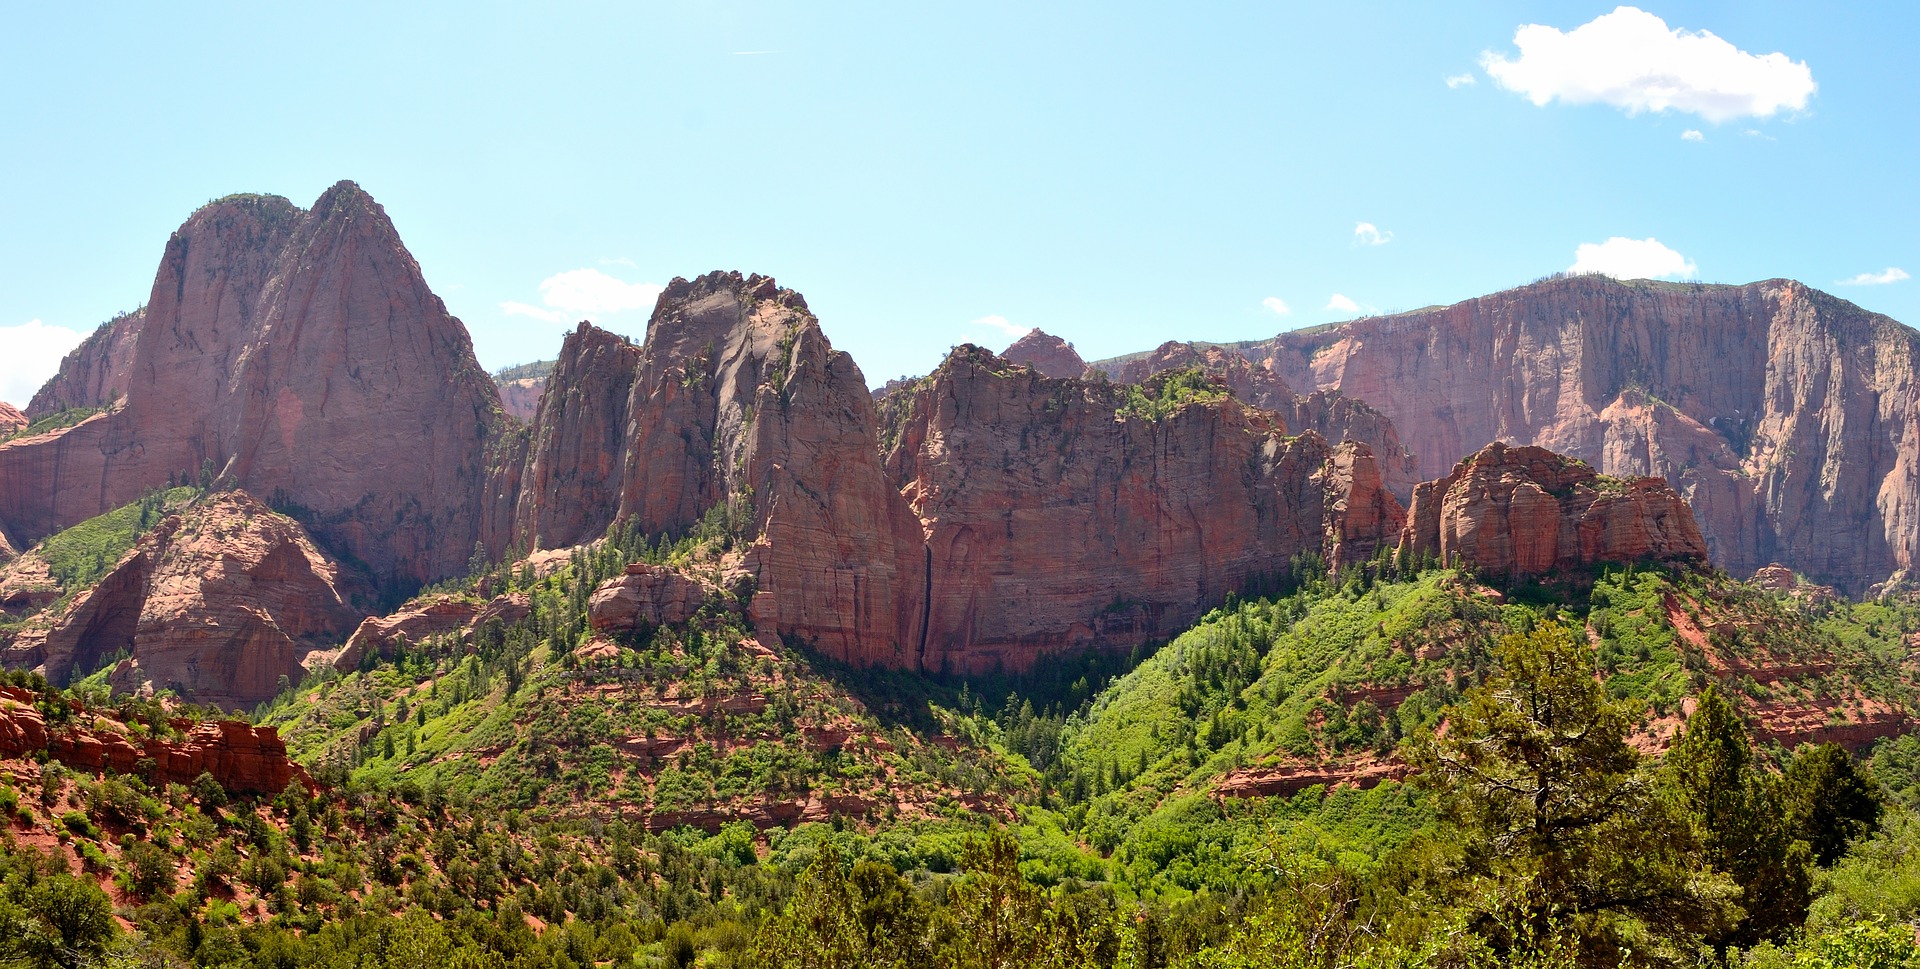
(1333, 416)
(1789, 419)
(296, 354)
(243, 758)
(645, 597)
(520, 396)
(216, 603)
(1058, 516)
(426, 617)
(94, 374)
(740, 418)
(576, 452)
(1046, 353)
(11, 419)
(1526, 511)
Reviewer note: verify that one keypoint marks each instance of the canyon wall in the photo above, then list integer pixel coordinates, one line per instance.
(1788, 418)
(297, 354)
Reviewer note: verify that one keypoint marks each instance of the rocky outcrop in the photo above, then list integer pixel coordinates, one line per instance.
(576, 453)
(1046, 353)
(11, 419)
(1526, 511)
(94, 374)
(243, 758)
(1779, 579)
(217, 603)
(299, 355)
(1789, 419)
(742, 419)
(520, 397)
(424, 618)
(1331, 415)
(645, 597)
(1060, 515)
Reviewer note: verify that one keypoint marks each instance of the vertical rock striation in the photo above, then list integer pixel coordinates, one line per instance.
(297, 354)
(1526, 511)
(1789, 419)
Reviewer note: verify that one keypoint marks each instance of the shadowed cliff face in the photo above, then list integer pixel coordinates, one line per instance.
(297, 354)
(217, 603)
(1786, 417)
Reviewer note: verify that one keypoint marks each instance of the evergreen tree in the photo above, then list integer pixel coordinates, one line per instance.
(1736, 820)
(1535, 775)
(1830, 800)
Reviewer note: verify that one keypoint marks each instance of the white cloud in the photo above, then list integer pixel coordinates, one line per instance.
(588, 293)
(1368, 234)
(1461, 80)
(1624, 258)
(517, 308)
(1276, 304)
(1630, 59)
(1342, 304)
(997, 322)
(1892, 274)
(1692, 134)
(32, 354)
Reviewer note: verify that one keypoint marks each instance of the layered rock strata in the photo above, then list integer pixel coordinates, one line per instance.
(242, 758)
(1788, 418)
(219, 603)
(1526, 511)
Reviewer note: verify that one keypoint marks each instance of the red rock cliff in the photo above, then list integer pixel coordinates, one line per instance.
(216, 603)
(95, 373)
(1788, 418)
(1046, 353)
(1057, 518)
(1333, 416)
(735, 404)
(243, 758)
(297, 354)
(11, 419)
(1525, 511)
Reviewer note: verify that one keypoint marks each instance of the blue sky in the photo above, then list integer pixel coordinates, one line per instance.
(1118, 174)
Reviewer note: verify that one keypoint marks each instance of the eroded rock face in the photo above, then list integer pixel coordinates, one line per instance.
(1786, 417)
(426, 617)
(645, 597)
(520, 397)
(1332, 415)
(1046, 353)
(94, 374)
(11, 419)
(243, 758)
(1054, 519)
(736, 406)
(1526, 511)
(217, 603)
(577, 449)
(299, 355)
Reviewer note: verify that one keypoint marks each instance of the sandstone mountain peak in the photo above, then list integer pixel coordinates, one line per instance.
(297, 354)
(1046, 353)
